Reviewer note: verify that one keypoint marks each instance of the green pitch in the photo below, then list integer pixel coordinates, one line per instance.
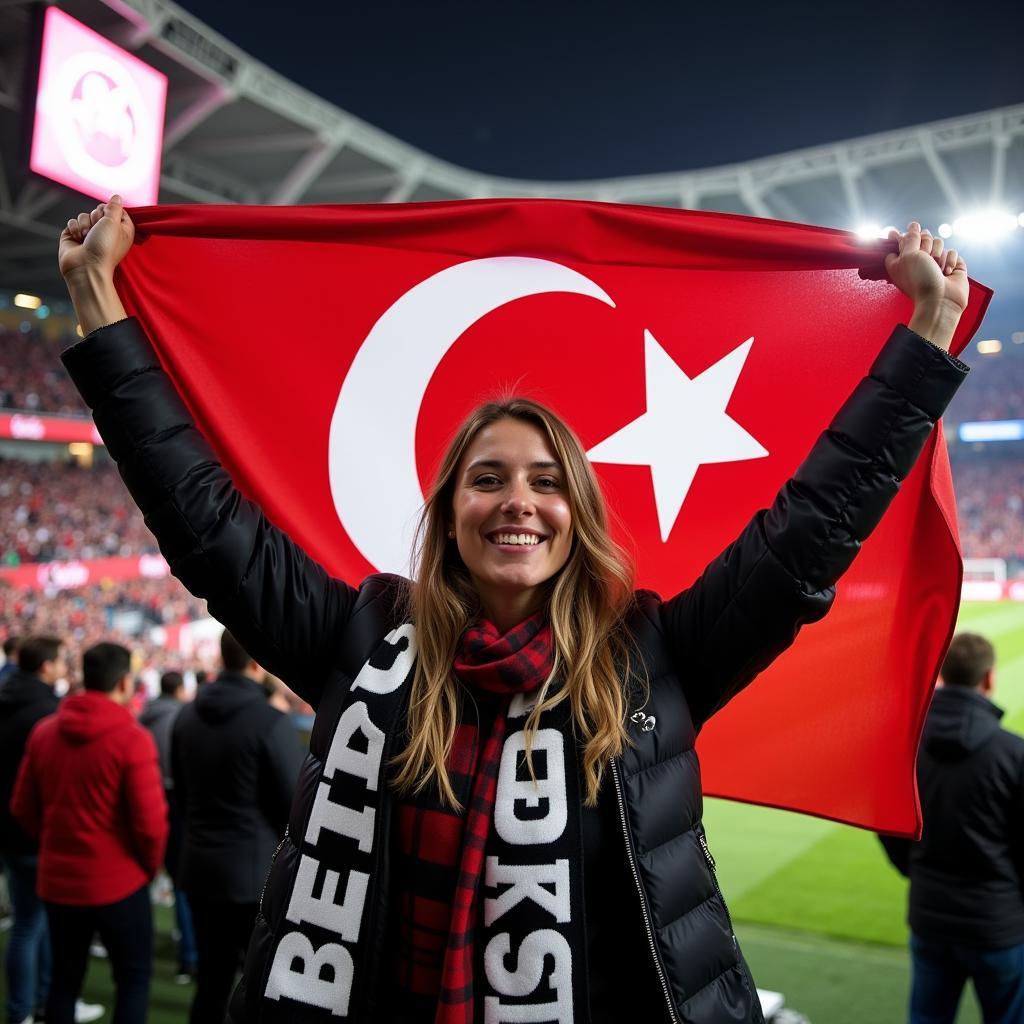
(817, 904)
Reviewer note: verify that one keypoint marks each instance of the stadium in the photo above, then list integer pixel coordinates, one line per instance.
(818, 908)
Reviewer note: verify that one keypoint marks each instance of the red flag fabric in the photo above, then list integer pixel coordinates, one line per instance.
(328, 353)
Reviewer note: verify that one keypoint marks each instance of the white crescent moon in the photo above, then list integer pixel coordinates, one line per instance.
(372, 444)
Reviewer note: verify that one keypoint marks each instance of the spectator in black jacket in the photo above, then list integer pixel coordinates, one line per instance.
(26, 697)
(966, 874)
(159, 716)
(235, 762)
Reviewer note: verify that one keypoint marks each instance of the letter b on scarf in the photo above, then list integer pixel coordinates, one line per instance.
(298, 973)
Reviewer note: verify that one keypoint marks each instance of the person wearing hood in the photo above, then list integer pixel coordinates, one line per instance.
(235, 762)
(89, 791)
(27, 696)
(966, 909)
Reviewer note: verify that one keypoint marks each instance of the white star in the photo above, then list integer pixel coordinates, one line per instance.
(685, 426)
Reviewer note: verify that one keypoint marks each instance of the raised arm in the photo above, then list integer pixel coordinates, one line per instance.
(282, 605)
(780, 573)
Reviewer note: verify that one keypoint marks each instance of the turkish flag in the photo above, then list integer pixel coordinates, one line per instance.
(328, 353)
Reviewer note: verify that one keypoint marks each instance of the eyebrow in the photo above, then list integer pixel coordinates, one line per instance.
(499, 464)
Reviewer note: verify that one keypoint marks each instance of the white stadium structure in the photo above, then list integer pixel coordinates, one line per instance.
(238, 132)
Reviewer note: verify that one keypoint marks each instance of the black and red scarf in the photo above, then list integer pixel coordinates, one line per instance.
(491, 902)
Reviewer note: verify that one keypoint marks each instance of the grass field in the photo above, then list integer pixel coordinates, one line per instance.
(818, 909)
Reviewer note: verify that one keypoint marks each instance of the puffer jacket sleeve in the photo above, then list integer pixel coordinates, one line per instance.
(780, 573)
(281, 605)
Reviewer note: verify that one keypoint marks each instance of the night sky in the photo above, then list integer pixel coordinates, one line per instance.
(585, 90)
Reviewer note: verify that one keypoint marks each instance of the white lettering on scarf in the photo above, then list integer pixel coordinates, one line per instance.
(298, 969)
(528, 974)
(515, 795)
(514, 799)
(377, 680)
(306, 985)
(526, 882)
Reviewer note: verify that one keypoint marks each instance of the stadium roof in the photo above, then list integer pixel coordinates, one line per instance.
(238, 132)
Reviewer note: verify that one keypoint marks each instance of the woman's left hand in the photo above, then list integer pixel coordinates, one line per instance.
(935, 280)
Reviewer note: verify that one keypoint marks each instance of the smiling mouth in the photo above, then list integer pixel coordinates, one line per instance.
(525, 540)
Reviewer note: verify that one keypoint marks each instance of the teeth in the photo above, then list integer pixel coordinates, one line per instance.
(529, 539)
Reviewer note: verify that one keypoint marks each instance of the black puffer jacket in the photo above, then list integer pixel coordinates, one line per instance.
(24, 700)
(967, 871)
(234, 763)
(320, 938)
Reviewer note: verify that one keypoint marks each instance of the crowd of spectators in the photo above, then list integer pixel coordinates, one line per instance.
(990, 507)
(32, 377)
(59, 511)
(995, 391)
(122, 612)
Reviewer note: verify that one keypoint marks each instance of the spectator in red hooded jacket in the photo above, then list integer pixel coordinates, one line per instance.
(89, 788)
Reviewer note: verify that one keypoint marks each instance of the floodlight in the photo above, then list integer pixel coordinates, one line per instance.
(985, 225)
(945, 230)
(27, 301)
(990, 346)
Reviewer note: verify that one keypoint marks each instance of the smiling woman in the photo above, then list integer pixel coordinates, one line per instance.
(501, 815)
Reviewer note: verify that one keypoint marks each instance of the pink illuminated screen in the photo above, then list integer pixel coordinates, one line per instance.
(99, 114)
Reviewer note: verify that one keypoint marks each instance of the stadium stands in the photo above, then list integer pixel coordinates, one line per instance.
(31, 377)
(58, 510)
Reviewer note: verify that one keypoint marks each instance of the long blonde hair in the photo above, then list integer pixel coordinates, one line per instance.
(586, 604)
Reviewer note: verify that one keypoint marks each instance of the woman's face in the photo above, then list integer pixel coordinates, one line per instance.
(511, 517)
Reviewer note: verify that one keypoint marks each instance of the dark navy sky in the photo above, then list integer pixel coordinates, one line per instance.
(565, 90)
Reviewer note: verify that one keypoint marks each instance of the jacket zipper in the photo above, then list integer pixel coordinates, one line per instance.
(631, 855)
(714, 879)
(266, 880)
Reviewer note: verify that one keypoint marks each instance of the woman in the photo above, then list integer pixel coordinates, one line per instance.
(500, 816)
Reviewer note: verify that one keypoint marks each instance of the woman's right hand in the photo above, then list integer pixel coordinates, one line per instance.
(94, 243)
(91, 246)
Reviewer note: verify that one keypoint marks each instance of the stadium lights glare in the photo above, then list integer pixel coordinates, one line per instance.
(992, 430)
(1017, 337)
(945, 230)
(27, 301)
(984, 225)
(990, 346)
(870, 232)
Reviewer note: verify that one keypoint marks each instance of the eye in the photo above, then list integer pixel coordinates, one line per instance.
(486, 480)
(548, 482)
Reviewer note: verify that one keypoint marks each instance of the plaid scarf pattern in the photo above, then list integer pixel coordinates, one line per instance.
(441, 854)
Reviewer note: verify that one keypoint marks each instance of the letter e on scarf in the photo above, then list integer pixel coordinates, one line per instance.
(340, 918)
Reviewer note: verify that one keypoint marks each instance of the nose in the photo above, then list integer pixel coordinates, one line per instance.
(518, 501)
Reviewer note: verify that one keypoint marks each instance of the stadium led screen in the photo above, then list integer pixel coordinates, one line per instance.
(99, 114)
